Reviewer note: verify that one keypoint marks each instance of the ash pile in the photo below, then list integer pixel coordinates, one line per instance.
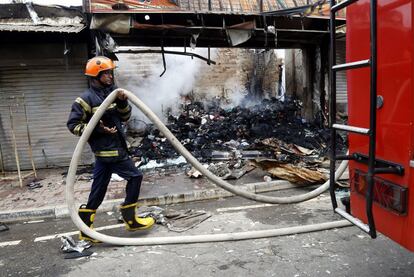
(270, 135)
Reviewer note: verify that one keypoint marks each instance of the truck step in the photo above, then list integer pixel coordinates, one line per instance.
(348, 128)
(353, 65)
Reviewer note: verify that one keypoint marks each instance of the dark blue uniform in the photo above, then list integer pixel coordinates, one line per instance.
(110, 149)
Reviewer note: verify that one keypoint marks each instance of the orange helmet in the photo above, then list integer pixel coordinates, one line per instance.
(97, 65)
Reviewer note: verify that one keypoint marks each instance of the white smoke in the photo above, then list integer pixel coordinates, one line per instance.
(234, 93)
(164, 93)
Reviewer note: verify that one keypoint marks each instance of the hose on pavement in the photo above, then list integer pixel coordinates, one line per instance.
(70, 181)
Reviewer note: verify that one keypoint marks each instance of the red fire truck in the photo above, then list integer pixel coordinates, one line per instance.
(379, 69)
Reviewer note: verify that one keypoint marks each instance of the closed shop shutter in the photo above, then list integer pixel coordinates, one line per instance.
(49, 92)
(341, 87)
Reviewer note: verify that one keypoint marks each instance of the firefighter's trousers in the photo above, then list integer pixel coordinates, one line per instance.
(102, 176)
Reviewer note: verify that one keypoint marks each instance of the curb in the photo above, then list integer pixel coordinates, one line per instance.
(62, 211)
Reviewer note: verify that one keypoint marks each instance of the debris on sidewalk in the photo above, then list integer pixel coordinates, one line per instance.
(84, 177)
(294, 174)
(81, 170)
(220, 169)
(34, 185)
(3, 227)
(168, 162)
(222, 137)
(238, 172)
(75, 249)
(267, 178)
(230, 170)
(206, 129)
(176, 221)
(194, 173)
(20, 199)
(183, 221)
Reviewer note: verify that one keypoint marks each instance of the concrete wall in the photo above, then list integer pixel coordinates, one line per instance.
(294, 71)
(306, 79)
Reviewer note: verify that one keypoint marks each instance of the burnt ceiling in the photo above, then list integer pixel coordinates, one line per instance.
(212, 30)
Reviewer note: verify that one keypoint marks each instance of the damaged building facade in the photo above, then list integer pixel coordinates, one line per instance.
(42, 56)
(237, 73)
(236, 40)
(307, 79)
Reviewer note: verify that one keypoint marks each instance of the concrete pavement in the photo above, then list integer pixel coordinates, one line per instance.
(33, 248)
(159, 187)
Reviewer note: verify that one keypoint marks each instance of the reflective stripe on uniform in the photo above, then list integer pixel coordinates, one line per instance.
(85, 106)
(78, 130)
(125, 110)
(112, 153)
(129, 206)
(112, 106)
(86, 210)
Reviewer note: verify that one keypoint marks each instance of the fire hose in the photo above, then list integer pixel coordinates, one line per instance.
(70, 181)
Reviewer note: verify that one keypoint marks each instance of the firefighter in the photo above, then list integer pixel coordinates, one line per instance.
(108, 144)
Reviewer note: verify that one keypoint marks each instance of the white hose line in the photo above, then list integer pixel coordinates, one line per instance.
(70, 181)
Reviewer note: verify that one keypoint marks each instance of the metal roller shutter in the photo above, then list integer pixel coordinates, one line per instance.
(341, 87)
(49, 92)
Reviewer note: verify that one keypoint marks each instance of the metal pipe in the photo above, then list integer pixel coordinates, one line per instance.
(373, 120)
(348, 128)
(352, 65)
(29, 140)
(163, 61)
(16, 154)
(353, 220)
(185, 53)
(332, 105)
(342, 5)
(2, 161)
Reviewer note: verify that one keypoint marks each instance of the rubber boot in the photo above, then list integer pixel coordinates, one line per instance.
(133, 222)
(87, 216)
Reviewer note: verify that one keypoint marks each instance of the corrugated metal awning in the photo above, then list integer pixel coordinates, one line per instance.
(40, 28)
(35, 18)
(205, 6)
(242, 6)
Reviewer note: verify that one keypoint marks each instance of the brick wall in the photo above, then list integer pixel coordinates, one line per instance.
(229, 77)
(235, 73)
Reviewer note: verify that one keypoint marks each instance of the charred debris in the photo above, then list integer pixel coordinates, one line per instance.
(270, 135)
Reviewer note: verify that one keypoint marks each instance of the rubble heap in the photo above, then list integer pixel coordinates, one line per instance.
(204, 129)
